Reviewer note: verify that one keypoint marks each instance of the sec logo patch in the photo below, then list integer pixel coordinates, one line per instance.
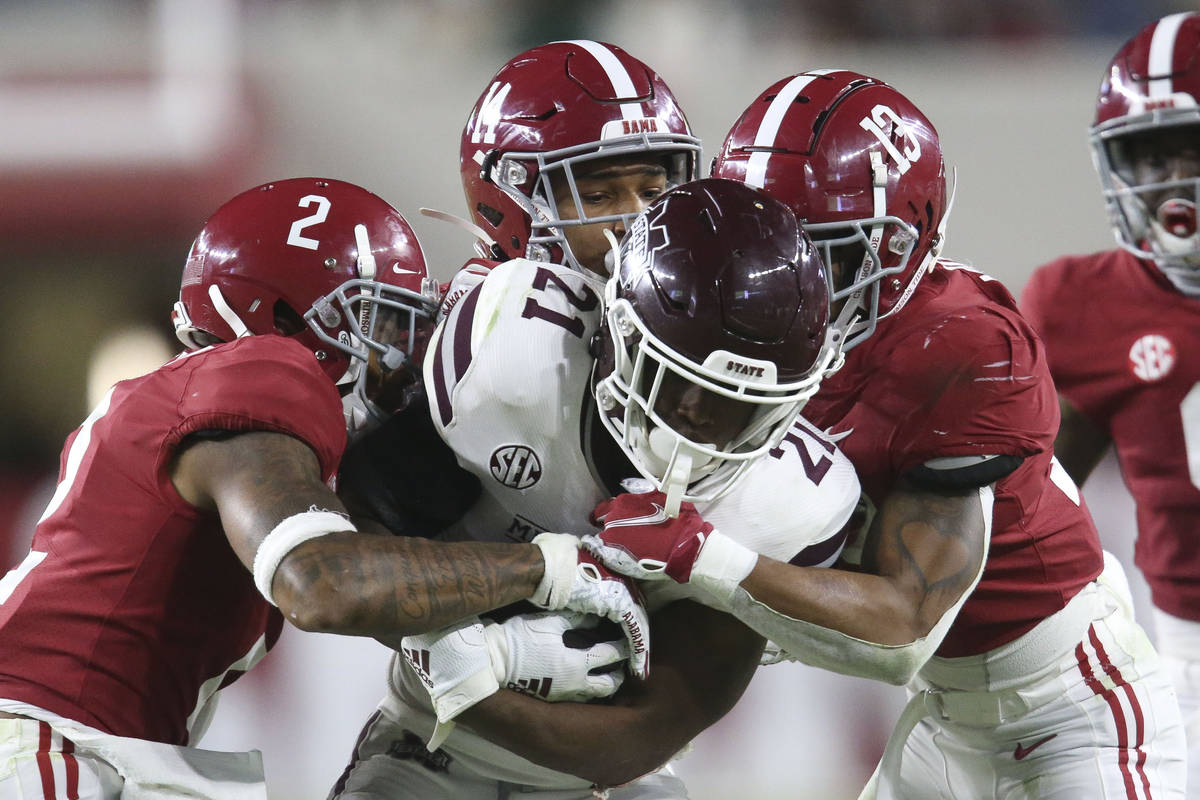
(515, 466)
(1152, 357)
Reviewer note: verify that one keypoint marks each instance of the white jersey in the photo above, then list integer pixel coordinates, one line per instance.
(509, 378)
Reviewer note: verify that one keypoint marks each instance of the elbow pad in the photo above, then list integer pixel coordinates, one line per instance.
(835, 651)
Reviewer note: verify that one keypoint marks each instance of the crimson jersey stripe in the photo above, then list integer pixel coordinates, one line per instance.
(45, 768)
(71, 764)
(1114, 705)
(1120, 683)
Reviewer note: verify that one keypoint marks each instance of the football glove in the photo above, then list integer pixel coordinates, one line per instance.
(574, 579)
(454, 667)
(641, 540)
(558, 655)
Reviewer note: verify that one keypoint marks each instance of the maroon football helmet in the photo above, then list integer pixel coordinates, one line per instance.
(1148, 111)
(717, 285)
(545, 112)
(862, 168)
(324, 262)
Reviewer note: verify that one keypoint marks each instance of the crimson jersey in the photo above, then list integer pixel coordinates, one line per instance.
(132, 609)
(1124, 348)
(957, 372)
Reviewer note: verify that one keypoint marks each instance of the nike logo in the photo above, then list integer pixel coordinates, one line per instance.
(1021, 752)
(659, 515)
(401, 271)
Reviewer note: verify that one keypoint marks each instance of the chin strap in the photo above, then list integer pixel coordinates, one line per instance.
(485, 243)
(226, 312)
(677, 481)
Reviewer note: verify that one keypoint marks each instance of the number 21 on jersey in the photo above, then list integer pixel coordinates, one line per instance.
(586, 300)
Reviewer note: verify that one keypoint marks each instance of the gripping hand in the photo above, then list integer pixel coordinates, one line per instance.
(558, 655)
(454, 667)
(640, 540)
(574, 579)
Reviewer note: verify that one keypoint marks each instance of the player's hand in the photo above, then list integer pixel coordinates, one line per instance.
(455, 668)
(558, 655)
(640, 540)
(574, 579)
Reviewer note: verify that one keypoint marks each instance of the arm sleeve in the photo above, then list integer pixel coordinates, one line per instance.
(835, 651)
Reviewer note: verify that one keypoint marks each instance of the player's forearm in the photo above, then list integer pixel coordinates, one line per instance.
(858, 604)
(353, 584)
(923, 557)
(703, 661)
(607, 745)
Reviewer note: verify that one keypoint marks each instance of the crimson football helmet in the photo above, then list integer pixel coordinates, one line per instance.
(1145, 142)
(326, 263)
(717, 288)
(543, 114)
(862, 168)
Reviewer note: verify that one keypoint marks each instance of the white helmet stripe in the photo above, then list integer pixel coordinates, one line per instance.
(1162, 54)
(756, 167)
(622, 83)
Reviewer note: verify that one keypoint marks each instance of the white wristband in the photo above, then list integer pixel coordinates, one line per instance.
(560, 551)
(721, 566)
(286, 537)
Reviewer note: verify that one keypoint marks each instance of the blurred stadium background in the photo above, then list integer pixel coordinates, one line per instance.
(123, 123)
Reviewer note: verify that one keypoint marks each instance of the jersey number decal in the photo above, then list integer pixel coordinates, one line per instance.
(79, 447)
(887, 127)
(315, 218)
(585, 302)
(815, 470)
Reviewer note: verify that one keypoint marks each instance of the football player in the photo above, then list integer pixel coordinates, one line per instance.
(568, 139)
(1125, 361)
(687, 378)
(194, 509)
(980, 582)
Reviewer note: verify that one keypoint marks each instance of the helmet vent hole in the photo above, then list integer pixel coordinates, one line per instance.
(287, 321)
(493, 215)
(542, 117)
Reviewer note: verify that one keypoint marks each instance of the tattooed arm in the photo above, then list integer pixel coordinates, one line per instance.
(922, 553)
(922, 558)
(345, 582)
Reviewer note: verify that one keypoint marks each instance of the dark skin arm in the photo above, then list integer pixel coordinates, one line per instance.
(344, 583)
(702, 662)
(1079, 445)
(921, 553)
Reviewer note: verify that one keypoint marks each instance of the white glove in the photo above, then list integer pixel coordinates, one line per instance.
(575, 579)
(558, 656)
(454, 666)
